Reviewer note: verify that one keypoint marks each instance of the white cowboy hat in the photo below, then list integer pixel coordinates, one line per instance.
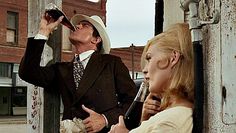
(97, 22)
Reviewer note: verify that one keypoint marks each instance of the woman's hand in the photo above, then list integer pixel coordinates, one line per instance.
(48, 24)
(120, 127)
(151, 106)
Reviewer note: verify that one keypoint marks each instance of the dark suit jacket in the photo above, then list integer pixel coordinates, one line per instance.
(106, 86)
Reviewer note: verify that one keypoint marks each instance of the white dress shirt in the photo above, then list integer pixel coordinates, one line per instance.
(85, 56)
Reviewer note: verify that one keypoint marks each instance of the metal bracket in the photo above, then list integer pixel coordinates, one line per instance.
(214, 20)
(195, 23)
(192, 7)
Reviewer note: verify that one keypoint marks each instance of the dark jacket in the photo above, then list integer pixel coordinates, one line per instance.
(106, 86)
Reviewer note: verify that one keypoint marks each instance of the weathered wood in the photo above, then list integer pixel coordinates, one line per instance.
(43, 108)
(52, 100)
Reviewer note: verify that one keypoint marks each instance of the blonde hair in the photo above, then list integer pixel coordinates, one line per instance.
(176, 38)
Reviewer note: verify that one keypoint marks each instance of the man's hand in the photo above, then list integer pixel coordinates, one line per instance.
(119, 127)
(48, 24)
(95, 122)
(151, 106)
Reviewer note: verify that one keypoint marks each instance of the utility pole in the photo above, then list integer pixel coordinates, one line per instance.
(132, 59)
(43, 108)
(159, 16)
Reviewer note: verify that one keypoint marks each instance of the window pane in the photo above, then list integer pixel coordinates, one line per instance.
(19, 97)
(12, 27)
(5, 70)
(11, 36)
(11, 20)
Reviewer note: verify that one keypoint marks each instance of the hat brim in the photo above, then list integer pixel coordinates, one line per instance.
(105, 49)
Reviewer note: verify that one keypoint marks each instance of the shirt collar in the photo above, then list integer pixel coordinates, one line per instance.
(85, 54)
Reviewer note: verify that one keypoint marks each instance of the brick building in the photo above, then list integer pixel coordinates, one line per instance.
(131, 56)
(13, 38)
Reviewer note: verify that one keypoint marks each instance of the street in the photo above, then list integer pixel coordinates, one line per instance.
(13, 124)
(12, 128)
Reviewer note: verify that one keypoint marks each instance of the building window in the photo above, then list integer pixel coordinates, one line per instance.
(19, 96)
(12, 27)
(5, 70)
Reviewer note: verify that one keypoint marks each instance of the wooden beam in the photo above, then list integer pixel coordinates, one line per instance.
(43, 108)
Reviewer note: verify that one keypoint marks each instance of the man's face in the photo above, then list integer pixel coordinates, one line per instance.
(83, 33)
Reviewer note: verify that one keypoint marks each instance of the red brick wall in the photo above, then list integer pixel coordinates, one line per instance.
(71, 7)
(2, 24)
(126, 56)
(9, 53)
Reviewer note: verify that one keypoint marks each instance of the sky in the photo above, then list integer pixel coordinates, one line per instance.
(130, 21)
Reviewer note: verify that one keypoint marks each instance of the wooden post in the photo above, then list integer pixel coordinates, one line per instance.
(43, 108)
(132, 59)
(52, 100)
(159, 16)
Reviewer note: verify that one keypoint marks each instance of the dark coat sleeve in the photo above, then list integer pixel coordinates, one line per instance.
(30, 69)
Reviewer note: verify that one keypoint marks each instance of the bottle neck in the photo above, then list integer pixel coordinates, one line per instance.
(141, 95)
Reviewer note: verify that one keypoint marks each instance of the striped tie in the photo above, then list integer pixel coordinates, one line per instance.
(78, 71)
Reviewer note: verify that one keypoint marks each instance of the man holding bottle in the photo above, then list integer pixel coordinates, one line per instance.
(95, 86)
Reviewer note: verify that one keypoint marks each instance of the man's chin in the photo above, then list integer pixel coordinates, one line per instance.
(72, 41)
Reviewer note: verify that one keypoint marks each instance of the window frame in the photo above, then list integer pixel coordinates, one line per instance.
(14, 28)
(5, 70)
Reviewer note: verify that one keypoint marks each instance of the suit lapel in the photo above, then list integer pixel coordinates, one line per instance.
(91, 72)
(67, 74)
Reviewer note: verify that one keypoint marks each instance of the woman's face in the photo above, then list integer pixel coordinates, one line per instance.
(157, 70)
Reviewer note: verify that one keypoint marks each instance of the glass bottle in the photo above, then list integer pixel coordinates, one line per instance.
(133, 115)
(55, 12)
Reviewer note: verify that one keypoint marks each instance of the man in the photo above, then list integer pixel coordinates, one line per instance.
(94, 86)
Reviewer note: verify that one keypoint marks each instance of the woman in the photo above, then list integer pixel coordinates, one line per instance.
(169, 72)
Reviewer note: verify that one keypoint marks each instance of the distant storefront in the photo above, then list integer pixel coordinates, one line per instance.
(13, 91)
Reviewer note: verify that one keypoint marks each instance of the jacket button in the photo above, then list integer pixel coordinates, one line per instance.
(119, 104)
(99, 90)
